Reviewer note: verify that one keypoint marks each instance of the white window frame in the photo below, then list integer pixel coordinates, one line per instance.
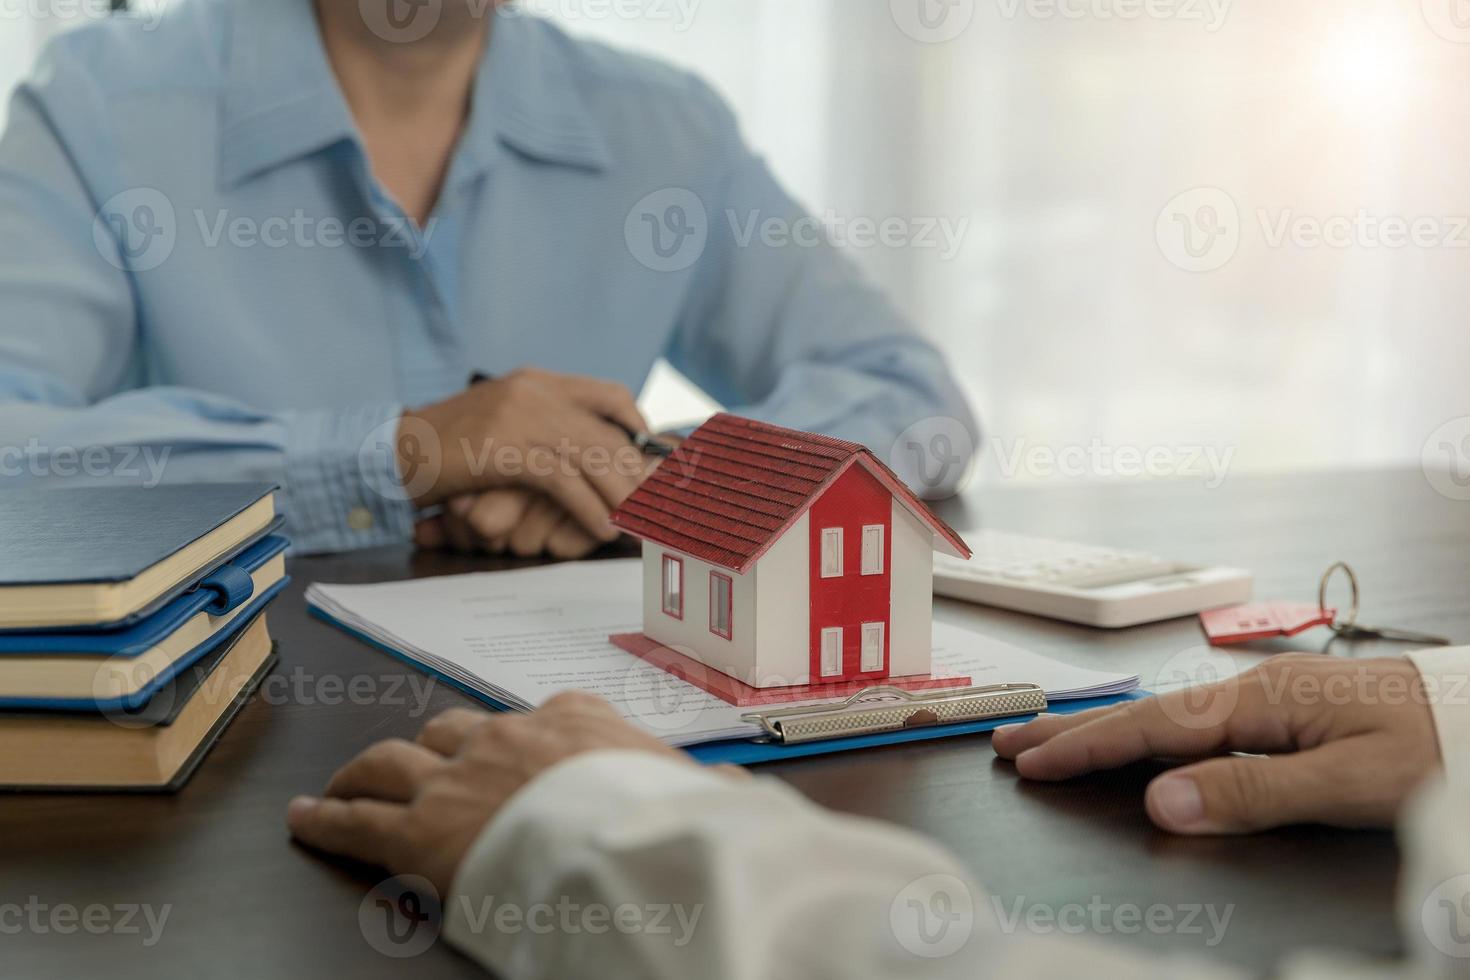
(672, 600)
(722, 587)
(873, 556)
(872, 656)
(835, 669)
(831, 552)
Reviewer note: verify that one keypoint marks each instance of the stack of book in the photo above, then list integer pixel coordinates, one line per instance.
(132, 629)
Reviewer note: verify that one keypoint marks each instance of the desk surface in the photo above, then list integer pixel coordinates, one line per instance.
(245, 902)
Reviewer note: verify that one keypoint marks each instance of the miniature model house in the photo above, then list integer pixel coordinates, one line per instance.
(782, 558)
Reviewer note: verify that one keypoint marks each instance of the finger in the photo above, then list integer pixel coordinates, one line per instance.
(602, 453)
(569, 542)
(363, 830)
(429, 534)
(1238, 795)
(445, 733)
(578, 498)
(1010, 741)
(392, 770)
(1169, 725)
(607, 399)
(497, 512)
(528, 539)
(577, 703)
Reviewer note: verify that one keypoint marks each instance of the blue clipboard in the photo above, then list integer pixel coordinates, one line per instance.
(742, 752)
(748, 752)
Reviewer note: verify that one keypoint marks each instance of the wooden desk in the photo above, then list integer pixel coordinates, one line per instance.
(245, 902)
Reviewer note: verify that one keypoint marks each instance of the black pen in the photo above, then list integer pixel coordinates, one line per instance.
(646, 442)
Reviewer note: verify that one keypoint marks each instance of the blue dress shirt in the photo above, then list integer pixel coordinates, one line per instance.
(201, 279)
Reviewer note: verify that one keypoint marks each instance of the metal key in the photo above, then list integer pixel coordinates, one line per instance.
(1348, 627)
(1354, 631)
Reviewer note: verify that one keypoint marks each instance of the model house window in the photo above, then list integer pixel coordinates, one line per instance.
(832, 652)
(873, 549)
(831, 552)
(674, 586)
(872, 647)
(721, 597)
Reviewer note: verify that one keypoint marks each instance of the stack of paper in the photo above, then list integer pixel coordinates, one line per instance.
(517, 638)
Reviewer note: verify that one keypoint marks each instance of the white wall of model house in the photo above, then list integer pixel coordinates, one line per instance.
(770, 612)
(911, 586)
(691, 635)
(770, 642)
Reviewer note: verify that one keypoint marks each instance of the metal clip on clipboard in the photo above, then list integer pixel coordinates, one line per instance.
(889, 709)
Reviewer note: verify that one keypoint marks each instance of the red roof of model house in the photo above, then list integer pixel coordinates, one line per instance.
(736, 485)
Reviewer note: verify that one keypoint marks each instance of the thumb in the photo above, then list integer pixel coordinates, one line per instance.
(1241, 794)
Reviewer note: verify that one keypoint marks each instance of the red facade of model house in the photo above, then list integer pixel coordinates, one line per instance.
(854, 501)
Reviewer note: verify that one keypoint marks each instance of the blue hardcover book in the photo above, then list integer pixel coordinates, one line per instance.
(123, 668)
(100, 557)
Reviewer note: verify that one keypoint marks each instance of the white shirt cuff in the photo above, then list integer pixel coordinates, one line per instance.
(1446, 674)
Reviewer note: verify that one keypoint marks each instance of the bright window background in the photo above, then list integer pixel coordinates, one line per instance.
(1057, 137)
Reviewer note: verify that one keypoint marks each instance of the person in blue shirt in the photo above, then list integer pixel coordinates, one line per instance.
(273, 240)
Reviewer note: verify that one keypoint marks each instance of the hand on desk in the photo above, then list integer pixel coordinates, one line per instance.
(515, 522)
(416, 807)
(1349, 740)
(507, 522)
(538, 433)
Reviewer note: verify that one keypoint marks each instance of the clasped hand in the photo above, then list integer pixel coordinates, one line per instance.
(530, 464)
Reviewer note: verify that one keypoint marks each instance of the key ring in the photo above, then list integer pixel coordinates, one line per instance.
(1342, 623)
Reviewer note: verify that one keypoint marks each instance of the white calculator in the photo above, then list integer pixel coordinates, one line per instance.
(1084, 584)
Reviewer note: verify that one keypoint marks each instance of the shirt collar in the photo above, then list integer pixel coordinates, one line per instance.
(528, 97)
(282, 102)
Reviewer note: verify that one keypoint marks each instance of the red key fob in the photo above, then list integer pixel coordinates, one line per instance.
(1261, 620)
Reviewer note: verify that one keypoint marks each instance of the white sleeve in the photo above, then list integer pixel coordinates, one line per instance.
(1446, 673)
(1434, 888)
(622, 864)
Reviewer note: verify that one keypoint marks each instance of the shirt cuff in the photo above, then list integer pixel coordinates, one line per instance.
(343, 489)
(1446, 674)
(587, 799)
